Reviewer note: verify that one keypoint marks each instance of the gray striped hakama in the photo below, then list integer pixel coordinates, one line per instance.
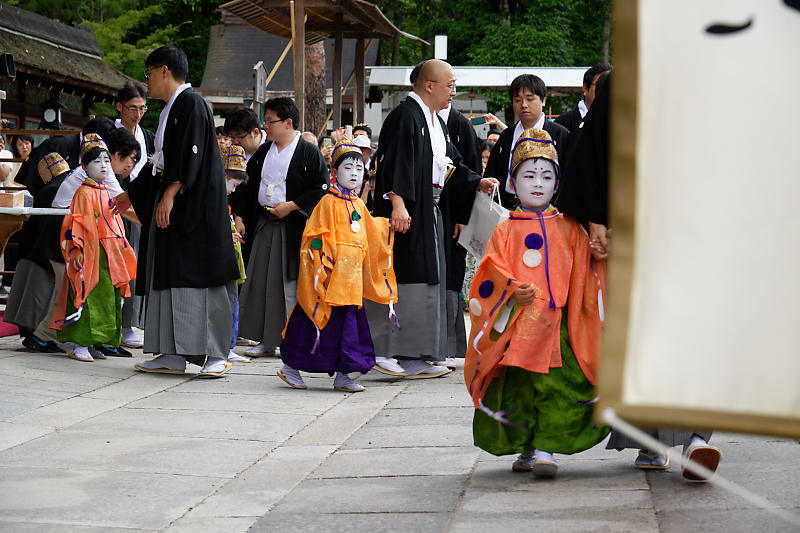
(43, 330)
(456, 330)
(669, 437)
(422, 311)
(267, 296)
(132, 307)
(32, 291)
(193, 322)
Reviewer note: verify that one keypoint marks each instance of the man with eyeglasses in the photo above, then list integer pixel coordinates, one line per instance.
(186, 265)
(241, 126)
(132, 105)
(287, 177)
(419, 171)
(573, 119)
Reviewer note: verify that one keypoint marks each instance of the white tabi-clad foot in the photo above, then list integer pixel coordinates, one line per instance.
(130, 339)
(261, 350)
(389, 365)
(234, 357)
(524, 462)
(647, 460)
(292, 377)
(163, 364)
(416, 368)
(544, 464)
(342, 382)
(447, 362)
(214, 367)
(80, 353)
(698, 450)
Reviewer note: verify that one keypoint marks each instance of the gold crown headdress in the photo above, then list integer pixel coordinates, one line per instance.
(342, 148)
(233, 158)
(533, 143)
(52, 165)
(92, 140)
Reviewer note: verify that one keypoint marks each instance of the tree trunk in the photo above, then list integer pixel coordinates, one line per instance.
(315, 111)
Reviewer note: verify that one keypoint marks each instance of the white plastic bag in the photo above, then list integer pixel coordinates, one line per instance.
(486, 214)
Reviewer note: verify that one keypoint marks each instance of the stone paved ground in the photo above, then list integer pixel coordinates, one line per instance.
(98, 447)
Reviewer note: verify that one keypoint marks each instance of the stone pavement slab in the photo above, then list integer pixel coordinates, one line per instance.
(100, 447)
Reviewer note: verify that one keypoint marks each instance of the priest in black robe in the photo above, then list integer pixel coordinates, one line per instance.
(413, 174)
(186, 264)
(453, 207)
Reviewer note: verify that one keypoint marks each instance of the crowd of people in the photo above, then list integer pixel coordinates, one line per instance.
(335, 254)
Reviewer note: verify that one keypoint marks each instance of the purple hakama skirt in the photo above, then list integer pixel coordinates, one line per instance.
(345, 344)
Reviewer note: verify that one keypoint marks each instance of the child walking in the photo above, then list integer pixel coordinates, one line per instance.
(100, 262)
(536, 311)
(345, 256)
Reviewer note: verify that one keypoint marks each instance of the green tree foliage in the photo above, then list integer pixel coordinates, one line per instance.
(503, 33)
(128, 30)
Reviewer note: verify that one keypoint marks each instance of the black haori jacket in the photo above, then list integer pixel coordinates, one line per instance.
(404, 167)
(307, 181)
(196, 250)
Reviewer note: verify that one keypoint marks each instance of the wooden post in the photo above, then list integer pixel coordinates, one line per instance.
(358, 94)
(337, 73)
(298, 55)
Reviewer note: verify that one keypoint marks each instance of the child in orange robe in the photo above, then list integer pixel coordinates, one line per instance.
(100, 262)
(536, 311)
(345, 256)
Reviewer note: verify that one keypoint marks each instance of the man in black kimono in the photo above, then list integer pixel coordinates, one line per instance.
(463, 136)
(131, 105)
(186, 264)
(416, 166)
(527, 93)
(573, 119)
(287, 176)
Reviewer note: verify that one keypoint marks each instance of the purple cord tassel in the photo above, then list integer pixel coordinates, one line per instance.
(316, 342)
(393, 315)
(546, 262)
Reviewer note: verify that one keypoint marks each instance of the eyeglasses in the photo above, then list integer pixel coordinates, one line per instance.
(148, 69)
(451, 85)
(136, 109)
(237, 137)
(274, 121)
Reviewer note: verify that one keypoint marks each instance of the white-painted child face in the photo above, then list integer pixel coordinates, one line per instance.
(535, 183)
(99, 169)
(350, 173)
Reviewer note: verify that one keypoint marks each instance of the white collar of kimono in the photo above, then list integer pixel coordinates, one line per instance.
(517, 134)
(158, 157)
(582, 108)
(445, 113)
(438, 142)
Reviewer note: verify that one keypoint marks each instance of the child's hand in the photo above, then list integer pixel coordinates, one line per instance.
(237, 237)
(77, 260)
(525, 294)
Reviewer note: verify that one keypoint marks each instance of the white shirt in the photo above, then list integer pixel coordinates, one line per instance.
(263, 140)
(438, 141)
(272, 189)
(142, 149)
(517, 134)
(70, 185)
(158, 157)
